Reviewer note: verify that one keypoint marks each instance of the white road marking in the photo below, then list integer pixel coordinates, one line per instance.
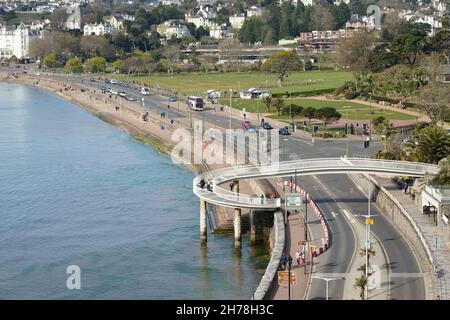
(349, 216)
(333, 214)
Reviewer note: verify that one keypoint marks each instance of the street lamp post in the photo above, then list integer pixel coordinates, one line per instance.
(289, 275)
(328, 280)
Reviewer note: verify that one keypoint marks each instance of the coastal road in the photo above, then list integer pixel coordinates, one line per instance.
(332, 193)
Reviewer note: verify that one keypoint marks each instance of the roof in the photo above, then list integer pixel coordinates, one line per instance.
(445, 69)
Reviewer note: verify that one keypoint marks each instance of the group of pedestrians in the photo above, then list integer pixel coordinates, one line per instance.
(299, 255)
(202, 184)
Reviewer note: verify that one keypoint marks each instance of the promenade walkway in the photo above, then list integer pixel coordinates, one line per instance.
(441, 253)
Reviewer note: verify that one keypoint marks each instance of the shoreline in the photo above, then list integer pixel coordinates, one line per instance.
(161, 143)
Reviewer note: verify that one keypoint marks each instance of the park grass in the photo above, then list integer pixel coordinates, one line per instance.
(349, 110)
(198, 83)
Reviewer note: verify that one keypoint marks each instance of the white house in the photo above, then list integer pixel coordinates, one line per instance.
(73, 21)
(237, 21)
(173, 28)
(15, 41)
(253, 11)
(97, 29)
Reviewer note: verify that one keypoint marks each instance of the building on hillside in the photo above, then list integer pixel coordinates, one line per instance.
(202, 18)
(173, 29)
(237, 21)
(97, 29)
(361, 22)
(444, 74)
(117, 21)
(253, 11)
(73, 21)
(324, 40)
(15, 41)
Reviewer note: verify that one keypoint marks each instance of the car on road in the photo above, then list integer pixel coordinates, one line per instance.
(123, 94)
(130, 98)
(103, 88)
(145, 91)
(284, 131)
(245, 124)
(173, 99)
(92, 80)
(266, 126)
(251, 129)
(112, 81)
(114, 91)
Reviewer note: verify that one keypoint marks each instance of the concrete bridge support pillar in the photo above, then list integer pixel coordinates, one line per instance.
(237, 218)
(237, 228)
(203, 228)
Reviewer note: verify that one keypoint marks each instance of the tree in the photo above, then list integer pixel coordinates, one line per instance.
(435, 98)
(433, 144)
(267, 102)
(361, 283)
(397, 81)
(41, 47)
(50, 61)
(118, 66)
(327, 114)
(73, 65)
(96, 64)
(93, 46)
(309, 113)
(341, 14)
(322, 19)
(441, 44)
(282, 63)
(278, 103)
(409, 46)
(292, 110)
(432, 65)
(355, 53)
(171, 54)
(58, 19)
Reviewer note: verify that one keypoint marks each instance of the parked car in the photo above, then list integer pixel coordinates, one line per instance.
(251, 129)
(122, 94)
(245, 124)
(284, 131)
(266, 126)
(130, 98)
(112, 81)
(173, 99)
(92, 80)
(114, 91)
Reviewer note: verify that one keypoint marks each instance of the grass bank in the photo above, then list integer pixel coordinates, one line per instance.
(198, 83)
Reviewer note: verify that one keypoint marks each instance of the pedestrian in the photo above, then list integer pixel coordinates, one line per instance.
(231, 186)
(202, 183)
(168, 106)
(298, 255)
(406, 188)
(283, 261)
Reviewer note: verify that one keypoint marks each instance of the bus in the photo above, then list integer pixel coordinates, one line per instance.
(195, 103)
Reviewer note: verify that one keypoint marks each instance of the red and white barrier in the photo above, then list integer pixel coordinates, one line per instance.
(319, 215)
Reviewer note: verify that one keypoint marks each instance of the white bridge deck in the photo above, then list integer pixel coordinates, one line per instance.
(221, 194)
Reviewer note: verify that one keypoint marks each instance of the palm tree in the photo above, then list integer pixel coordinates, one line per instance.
(268, 102)
(433, 144)
(279, 104)
(361, 283)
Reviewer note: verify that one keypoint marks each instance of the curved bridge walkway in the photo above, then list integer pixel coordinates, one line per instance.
(224, 190)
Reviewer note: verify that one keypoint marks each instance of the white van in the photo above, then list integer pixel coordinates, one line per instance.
(145, 91)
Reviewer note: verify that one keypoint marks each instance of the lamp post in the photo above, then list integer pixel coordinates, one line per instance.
(328, 280)
(289, 275)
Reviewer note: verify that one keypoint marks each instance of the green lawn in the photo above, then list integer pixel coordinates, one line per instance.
(349, 110)
(198, 83)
